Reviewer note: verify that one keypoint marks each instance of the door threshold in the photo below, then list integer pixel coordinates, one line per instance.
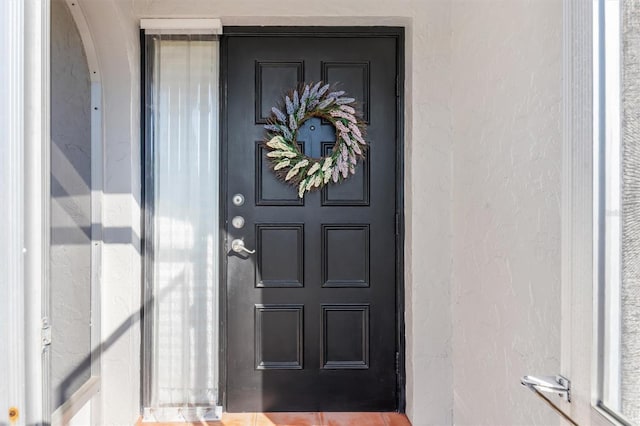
(301, 419)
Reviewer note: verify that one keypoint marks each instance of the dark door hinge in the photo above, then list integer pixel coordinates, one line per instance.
(397, 224)
(397, 363)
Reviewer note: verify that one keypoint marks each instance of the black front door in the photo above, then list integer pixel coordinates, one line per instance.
(311, 316)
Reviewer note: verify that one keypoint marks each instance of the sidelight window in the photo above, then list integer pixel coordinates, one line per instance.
(181, 227)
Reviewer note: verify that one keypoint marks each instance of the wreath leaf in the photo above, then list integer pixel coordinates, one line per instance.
(289, 105)
(279, 115)
(291, 174)
(314, 90)
(281, 165)
(342, 101)
(305, 95)
(313, 169)
(323, 89)
(296, 100)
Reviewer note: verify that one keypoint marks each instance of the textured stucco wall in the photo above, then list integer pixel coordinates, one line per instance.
(70, 252)
(507, 70)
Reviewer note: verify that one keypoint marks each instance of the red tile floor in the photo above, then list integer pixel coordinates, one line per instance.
(302, 419)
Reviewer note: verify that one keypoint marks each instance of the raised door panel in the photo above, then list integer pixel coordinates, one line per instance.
(345, 255)
(345, 337)
(353, 77)
(278, 337)
(280, 255)
(273, 78)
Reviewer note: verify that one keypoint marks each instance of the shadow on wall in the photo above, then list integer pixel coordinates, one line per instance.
(70, 192)
(66, 387)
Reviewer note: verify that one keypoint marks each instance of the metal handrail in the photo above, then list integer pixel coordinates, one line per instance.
(551, 384)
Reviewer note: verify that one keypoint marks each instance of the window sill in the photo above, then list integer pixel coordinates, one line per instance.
(610, 416)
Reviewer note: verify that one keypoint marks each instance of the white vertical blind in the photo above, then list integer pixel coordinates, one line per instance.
(182, 158)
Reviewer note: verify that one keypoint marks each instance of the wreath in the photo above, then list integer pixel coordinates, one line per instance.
(289, 163)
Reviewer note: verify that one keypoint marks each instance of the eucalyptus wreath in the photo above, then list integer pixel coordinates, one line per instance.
(291, 165)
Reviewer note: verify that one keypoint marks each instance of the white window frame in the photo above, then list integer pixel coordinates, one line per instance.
(583, 91)
(581, 121)
(36, 204)
(24, 251)
(607, 211)
(607, 214)
(12, 393)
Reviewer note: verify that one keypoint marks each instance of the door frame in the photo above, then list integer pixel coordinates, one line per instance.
(398, 33)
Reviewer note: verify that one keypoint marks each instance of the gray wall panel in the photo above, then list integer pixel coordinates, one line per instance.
(70, 273)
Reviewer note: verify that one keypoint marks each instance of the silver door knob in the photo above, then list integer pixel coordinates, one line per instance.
(237, 245)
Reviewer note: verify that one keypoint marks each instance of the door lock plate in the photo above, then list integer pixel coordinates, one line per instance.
(238, 200)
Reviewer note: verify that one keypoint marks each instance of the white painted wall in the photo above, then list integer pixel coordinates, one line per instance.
(482, 183)
(507, 70)
(115, 38)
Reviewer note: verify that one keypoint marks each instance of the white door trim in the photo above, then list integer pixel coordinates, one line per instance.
(36, 205)
(12, 15)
